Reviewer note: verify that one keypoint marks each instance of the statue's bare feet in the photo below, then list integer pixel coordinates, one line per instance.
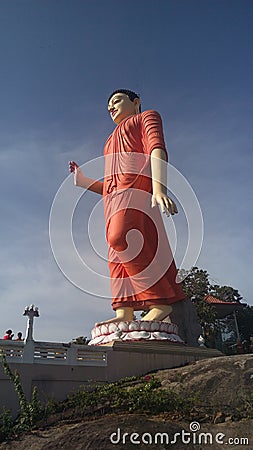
(122, 314)
(113, 320)
(167, 319)
(160, 313)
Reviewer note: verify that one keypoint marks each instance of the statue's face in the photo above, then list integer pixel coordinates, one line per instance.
(120, 107)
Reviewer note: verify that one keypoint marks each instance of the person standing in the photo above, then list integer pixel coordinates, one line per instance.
(8, 335)
(19, 336)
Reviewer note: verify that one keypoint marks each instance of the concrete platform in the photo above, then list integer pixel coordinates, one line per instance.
(57, 373)
(138, 358)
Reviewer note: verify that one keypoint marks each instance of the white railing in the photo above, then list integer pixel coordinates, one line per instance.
(34, 352)
(13, 350)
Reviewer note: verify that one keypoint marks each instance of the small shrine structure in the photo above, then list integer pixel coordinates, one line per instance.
(224, 309)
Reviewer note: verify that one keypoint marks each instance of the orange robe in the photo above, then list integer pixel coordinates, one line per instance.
(141, 264)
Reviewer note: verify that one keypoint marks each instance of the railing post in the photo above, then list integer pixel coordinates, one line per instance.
(28, 352)
(72, 355)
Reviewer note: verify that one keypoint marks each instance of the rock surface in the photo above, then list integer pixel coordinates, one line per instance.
(223, 386)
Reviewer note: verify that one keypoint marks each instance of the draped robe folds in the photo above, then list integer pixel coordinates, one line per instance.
(141, 264)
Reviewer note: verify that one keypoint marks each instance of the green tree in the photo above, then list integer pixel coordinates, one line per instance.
(80, 340)
(225, 293)
(195, 283)
(196, 286)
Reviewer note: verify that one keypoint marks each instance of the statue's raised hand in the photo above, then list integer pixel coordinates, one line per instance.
(85, 182)
(75, 169)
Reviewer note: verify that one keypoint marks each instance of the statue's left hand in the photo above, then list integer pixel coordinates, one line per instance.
(166, 204)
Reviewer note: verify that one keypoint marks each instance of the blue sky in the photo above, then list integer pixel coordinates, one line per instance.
(189, 59)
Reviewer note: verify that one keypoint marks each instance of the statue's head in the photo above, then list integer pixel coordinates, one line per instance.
(123, 103)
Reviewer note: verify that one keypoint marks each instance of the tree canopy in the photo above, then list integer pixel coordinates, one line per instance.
(196, 286)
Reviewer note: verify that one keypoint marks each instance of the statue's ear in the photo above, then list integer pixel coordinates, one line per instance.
(137, 104)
